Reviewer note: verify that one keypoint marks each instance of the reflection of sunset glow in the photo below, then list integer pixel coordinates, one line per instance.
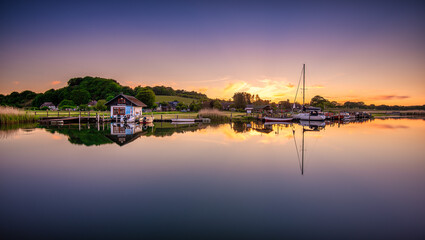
(56, 137)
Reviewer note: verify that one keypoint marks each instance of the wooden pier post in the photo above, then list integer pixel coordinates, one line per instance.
(58, 113)
(69, 113)
(47, 113)
(35, 113)
(161, 117)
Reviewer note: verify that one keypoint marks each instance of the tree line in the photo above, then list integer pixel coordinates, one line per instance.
(80, 91)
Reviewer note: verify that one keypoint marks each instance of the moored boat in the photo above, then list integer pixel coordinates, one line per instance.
(310, 116)
(308, 113)
(271, 119)
(147, 119)
(183, 120)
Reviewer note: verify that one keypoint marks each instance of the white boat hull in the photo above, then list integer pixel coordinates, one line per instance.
(277, 123)
(312, 123)
(270, 119)
(308, 117)
(183, 120)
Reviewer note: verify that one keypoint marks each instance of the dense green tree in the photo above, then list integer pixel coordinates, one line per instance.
(109, 97)
(180, 106)
(319, 101)
(83, 107)
(147, 96)
(162, 90)
(67, 103)
(241, 99)
(100, 106)
(80, 96)
(128, 91)
(195, 106)
(216, 104)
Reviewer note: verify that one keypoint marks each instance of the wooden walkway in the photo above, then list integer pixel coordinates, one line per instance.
(67, 120)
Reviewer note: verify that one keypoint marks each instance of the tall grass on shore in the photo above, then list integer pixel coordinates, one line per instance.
(215, 115)
(10, 115)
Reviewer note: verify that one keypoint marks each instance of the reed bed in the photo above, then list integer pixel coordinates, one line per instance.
(215, 115)
(10, 115)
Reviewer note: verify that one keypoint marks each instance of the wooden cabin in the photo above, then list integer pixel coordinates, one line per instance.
(124, 105)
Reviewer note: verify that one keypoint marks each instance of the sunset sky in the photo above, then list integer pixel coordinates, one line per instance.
(371, 51)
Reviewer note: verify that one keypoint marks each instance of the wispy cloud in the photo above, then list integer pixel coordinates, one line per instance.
(388, 126)
(55, 82)
(389, 97)
(16, 82)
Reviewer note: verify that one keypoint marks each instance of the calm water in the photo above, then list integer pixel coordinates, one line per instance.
(358, 180)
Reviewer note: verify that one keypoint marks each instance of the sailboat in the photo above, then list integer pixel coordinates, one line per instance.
(309, 114)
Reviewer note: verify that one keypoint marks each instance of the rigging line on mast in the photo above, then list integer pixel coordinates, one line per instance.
(298, 88)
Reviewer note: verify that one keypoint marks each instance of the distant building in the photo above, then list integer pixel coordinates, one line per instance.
(263, 109)
(92, 103)
(50, 105)
(226, 105)
(249, 108)
(124, 105)
(173, 105)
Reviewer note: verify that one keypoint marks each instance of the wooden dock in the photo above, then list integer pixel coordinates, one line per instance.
(67, 120)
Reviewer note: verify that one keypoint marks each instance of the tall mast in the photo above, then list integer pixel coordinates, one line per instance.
(303, 84)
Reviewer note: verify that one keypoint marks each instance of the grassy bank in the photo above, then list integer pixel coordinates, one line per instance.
(9, 115)
(187, 101)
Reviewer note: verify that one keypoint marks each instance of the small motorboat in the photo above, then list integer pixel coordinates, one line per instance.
(271, 119)
(183, 120)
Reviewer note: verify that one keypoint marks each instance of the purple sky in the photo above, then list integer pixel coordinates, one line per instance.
(361, 50)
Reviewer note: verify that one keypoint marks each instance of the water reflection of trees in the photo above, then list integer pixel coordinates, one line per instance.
(121, 134)
(10, 130)
(83, 134)
(241, 127)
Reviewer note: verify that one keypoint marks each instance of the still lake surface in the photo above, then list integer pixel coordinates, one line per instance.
(356, 181)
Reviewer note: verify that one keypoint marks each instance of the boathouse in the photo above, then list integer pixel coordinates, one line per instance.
(124, 105)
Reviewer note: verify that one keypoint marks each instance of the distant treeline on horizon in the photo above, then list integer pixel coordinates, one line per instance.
(82, 90)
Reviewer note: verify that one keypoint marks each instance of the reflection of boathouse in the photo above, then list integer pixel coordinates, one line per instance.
(122, 134)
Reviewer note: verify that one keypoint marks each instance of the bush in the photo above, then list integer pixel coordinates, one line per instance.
(100, 106)
(66, 102)
(66, 107)
(83, 107)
